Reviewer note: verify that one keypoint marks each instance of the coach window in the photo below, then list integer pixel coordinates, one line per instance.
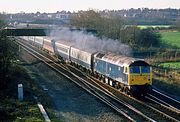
(119, 68)
(109, 68)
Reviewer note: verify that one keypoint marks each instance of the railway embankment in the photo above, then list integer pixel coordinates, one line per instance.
(12, 109)
(169, 86)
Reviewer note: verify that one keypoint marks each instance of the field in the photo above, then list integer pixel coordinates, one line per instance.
(174, 65)
(171, 38)
(153, 26)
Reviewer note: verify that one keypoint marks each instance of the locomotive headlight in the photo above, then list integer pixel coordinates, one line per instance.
(144, 78)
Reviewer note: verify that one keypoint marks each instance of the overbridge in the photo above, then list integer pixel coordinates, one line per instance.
(37, 32)
(27, 32)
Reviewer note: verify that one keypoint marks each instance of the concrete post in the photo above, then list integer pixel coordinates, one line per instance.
(20, 91)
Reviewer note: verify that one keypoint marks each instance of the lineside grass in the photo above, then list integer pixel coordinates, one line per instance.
(153, 26)
(170, 86)
(174, 65)
(171, 38)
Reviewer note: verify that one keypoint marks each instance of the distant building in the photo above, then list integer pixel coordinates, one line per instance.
(49, 16)
(63, 15)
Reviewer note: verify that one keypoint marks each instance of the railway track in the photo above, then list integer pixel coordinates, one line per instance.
(105, 91)
(121, 103)
(147, 107)
(120, 107)
(173, 103)
(173, 113)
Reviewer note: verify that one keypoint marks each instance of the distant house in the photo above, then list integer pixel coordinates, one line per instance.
(63, 15)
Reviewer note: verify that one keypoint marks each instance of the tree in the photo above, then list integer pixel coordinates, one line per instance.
(177, 24)
(7, 53)
(108, 26)
(149, 38)
(113, 26)
(86, 19)
(140, 38)
(130, 35)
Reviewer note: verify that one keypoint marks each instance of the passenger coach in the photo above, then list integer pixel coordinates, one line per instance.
(81, 57)
(62, 49)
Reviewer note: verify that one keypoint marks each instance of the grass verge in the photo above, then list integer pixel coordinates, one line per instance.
(170, 86)
(11, 109)
(174, 65)
(171, 38)
(153, 26)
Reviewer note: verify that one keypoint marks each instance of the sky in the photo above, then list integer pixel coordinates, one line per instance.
(28, 6)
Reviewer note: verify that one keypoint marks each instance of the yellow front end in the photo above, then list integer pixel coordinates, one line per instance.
(140, 78)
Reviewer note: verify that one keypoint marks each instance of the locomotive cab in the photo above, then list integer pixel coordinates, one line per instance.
(140, 77)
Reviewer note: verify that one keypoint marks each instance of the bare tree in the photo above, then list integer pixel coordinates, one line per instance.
(108, 26)
(177, 24)
(7, 53)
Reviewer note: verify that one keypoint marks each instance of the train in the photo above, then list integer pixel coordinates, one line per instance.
(130, 75)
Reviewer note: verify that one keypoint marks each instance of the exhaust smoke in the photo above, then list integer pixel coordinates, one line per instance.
(89, 42)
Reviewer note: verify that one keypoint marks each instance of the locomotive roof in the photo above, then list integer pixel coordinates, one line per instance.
(118, 59)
